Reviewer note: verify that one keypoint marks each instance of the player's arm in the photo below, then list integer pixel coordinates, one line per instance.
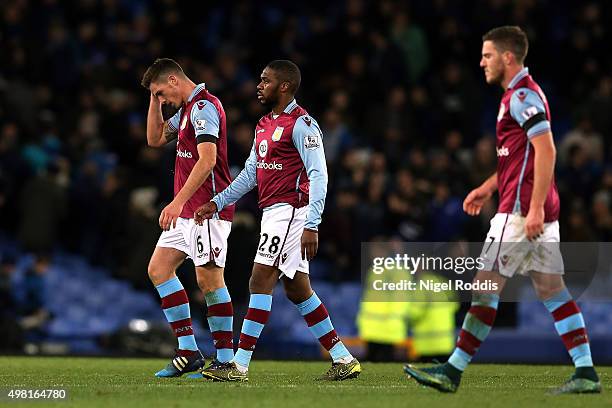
(490, 185)
(242, 184)
(528, 109)
(308, 140)
(544, 167)
(480, 195)
(543, 170)
(159, 132)
(206, 126)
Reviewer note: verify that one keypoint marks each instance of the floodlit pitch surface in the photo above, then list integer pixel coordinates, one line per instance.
(119, 382)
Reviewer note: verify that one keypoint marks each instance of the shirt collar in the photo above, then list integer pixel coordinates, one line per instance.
(520, 75)
(292, 105)
(196, 91)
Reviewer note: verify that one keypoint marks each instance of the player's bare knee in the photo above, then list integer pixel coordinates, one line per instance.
(489, 279)
(204, 284)
(297, 289)
(297, 295)
(545, 292)
(261, 284)
(209, 277)
(293, 293)
(157, 274)
(547, 285)
(263, 279)
(152, 272)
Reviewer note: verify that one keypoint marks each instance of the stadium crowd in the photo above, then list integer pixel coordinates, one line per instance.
(408, 120)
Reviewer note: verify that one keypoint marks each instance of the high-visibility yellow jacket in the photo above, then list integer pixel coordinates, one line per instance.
(432, 319)
(385, 316)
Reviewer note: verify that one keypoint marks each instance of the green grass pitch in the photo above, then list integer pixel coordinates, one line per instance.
(111, 383)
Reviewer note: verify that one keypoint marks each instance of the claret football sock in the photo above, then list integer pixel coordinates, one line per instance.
(320, 325)
(570, 326)
(476, 327)
(175, 304)
(220, 318)
(254, 322)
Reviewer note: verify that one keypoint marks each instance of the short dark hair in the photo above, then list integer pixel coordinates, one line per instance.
(287, 71)
(509, 38)
(161, 67)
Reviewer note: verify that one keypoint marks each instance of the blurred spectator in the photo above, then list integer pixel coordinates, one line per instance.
(580, 176)
(602, 215)
(411, 39)
(602, 212)
(446, 217)
(32, 307)
(590, 141)
(483, 163)
(457, 99)
(12, 336)
(43, 208)
(13, 172)
(142, 233)
(340, 229)
(406, 207)
(338, 138)
(600, 106)
(392, 121)
(578, 227)
(382, 319)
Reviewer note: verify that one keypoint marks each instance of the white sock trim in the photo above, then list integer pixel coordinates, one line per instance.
(345, 359)
(241, 368)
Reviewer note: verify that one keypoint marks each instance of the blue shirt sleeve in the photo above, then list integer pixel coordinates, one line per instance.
(205, 119)
(242, 184)
(308, 140)
(173, 122)
(528, 109)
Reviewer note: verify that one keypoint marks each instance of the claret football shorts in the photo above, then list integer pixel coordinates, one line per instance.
(280, 241)
(508, 251)
(202, 243)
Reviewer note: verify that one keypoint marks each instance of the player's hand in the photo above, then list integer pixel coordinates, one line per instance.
(534, 223)
(205, 212)
(169, 215)
(155, 101)
(310, 244)
(475, 200)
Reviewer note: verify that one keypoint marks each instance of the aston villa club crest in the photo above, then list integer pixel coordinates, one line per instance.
(307, 120)
(278, 132)
(217, 251)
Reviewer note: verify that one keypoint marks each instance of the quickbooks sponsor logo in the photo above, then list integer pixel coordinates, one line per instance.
(502, 151)
(269, 166)
(184, 154)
